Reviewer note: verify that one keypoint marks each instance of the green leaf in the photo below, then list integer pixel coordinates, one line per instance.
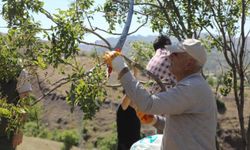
(5, 112)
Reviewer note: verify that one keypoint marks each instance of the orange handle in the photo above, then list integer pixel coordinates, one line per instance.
(145, 118)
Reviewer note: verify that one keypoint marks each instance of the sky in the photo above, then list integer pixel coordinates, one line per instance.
(53, 5)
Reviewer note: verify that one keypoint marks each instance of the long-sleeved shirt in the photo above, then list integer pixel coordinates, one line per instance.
(189, 107)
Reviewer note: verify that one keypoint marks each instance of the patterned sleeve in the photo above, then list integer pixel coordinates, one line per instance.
(159, 66)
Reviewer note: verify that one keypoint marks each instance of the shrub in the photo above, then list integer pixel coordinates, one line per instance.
(107, 143)
(35, 112)
(212, 81)
(69, 139)
(36, 130)
(221, 107)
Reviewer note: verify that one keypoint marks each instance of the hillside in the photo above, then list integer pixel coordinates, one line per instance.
(56, 114)
(214, 63)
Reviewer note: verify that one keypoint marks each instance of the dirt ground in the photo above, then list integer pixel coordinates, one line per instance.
(228, 123)
(103, 124)
(31, 143)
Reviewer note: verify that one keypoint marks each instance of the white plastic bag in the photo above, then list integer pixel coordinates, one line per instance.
(152, 142)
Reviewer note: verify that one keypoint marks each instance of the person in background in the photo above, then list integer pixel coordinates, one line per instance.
(159, 65)
(13, 90)
(189, 108)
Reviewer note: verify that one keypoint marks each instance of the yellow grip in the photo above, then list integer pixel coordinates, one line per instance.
(109, 56)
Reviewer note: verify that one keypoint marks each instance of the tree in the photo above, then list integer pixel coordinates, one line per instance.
(220, 24)
(216, 21)
(21, 46)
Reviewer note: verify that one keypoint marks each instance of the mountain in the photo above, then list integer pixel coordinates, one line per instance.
(88, 49)
(215, 61)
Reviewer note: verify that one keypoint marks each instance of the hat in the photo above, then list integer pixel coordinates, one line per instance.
(193, 47)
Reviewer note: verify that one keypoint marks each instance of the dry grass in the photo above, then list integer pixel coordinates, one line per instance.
(31, 143)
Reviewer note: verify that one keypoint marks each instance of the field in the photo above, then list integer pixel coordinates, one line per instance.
(56, 115)
(229, 125)
(31, 143)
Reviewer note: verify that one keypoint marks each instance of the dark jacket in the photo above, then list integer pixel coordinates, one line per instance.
(128, 128)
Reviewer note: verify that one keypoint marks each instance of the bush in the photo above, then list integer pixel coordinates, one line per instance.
(34, 113)
(221, 107)
(36, 130)
(107, 143)
(212, 81)
(69, 139)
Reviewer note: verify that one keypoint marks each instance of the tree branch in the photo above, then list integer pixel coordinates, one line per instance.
(98, 35)
(93, 44)
(96, 28)
(169, 21)
(46, 94)
(158, 81)
(138, 4)
(180, 18)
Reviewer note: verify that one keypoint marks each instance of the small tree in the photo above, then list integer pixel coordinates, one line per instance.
(22, 46)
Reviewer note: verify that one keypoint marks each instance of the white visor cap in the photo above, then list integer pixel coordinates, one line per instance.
(193, 47)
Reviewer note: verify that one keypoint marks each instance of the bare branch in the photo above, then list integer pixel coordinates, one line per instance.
(47, 14)
(94, 44)
(210, 33)
(243, 21)
(221, 28)
(63, 83)
(49, 29)
(180, 20)
(46, 94)
(158, 81)
(120, 85)
(138, 4)
(139, 27)
(39, 84)
(86, 29)
(169, 21)
(232, 46)
(98, 35)
(90, 24)
(60, 80)
(248, 33)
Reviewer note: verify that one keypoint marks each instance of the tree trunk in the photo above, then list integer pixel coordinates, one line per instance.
(242, 128)
(248, 135)
(217, 143)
